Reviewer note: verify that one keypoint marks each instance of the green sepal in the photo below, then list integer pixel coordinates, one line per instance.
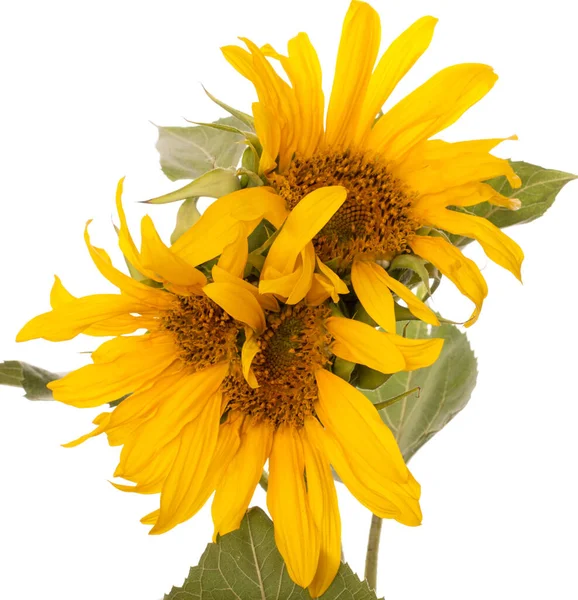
(238, 114)
(187, 215)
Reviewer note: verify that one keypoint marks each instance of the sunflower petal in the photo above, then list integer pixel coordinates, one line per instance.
(373, 293)
(456, 267)
(248, 352)
(432, 107)
(101, 421)
(361, 343)
(323, 503)
(358, 48)
(396, 61)
(296, 535)
(237, 302)
(233, 259)
(244, 470)
(496, 244)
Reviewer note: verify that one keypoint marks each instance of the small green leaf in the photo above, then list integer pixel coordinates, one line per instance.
(214, 184)
(241, 116)
(32, 379)
(446, 388)
(189, 152)
(538, 191)
(246, 565)
(187, 216)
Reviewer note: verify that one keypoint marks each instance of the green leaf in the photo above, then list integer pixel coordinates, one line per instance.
(214, 184)
(32, 379)
(538, 191)
(246, 565)
(189, 152)
(187, 216)
(446, 388)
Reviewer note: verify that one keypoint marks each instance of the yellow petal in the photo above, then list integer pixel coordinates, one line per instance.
(234, 256)
(352, 419)
(373, 293)
(265, 300)
(304, 71)
(435, 166)
(198, 440)
(417, 353)
(303, 223)
(396, 61)
(126, 284)
(269, 133)
(68, 320)
(162, 260)
(248, 352)
(496, 244)
(358, 48)
(125, 241)
(101, 420)
(188, 399)
(323, 503)
(97, 384)
(59, 295)
(296, 534)
(321, 289)
(238, 484)
(361, 343)
(456, 267)
(433, 106)
(384, 497)
(237, 302)
(338, 286)
(218, 226)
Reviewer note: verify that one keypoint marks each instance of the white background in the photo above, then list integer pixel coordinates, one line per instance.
(81, 80)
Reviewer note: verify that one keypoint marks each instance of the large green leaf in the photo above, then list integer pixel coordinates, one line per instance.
(188, 152)
(538, 191)
(446, 388)
(246, 565)
(32, 379)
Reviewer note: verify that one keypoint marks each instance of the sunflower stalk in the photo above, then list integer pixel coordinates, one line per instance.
(372, 554)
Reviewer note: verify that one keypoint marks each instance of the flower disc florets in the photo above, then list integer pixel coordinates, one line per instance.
(374, 220)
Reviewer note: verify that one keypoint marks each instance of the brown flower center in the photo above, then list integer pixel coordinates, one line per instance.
(292, 348)
(374, 220)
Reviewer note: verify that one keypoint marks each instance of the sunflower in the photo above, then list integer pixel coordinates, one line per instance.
(401, 185)
(218, 379)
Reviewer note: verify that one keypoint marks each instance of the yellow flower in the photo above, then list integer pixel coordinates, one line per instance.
(222, 380)
(398, 179)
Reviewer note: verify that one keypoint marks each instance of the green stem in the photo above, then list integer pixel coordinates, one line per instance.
(373, 551)
(264, 481)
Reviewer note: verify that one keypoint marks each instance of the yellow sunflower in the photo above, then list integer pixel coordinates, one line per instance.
(219, 378)
(399, 182)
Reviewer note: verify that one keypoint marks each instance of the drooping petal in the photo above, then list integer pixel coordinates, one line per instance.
(496, 244)
(334, 282)
(238, 484)
(248, 352)
(303, 223)
(374, 294)
(198, 440)
(358, 48)
(323, 503)
(296, 534)
(360, 343)
(269, 132)
(396, 61)
(265, 300)
(352, 419)
(237, 302)
(188, 398)
(233, 259)
(432, 107)
(218, 226)
(384, 497)
(96, 384)
(418, 353)
(462, 271)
